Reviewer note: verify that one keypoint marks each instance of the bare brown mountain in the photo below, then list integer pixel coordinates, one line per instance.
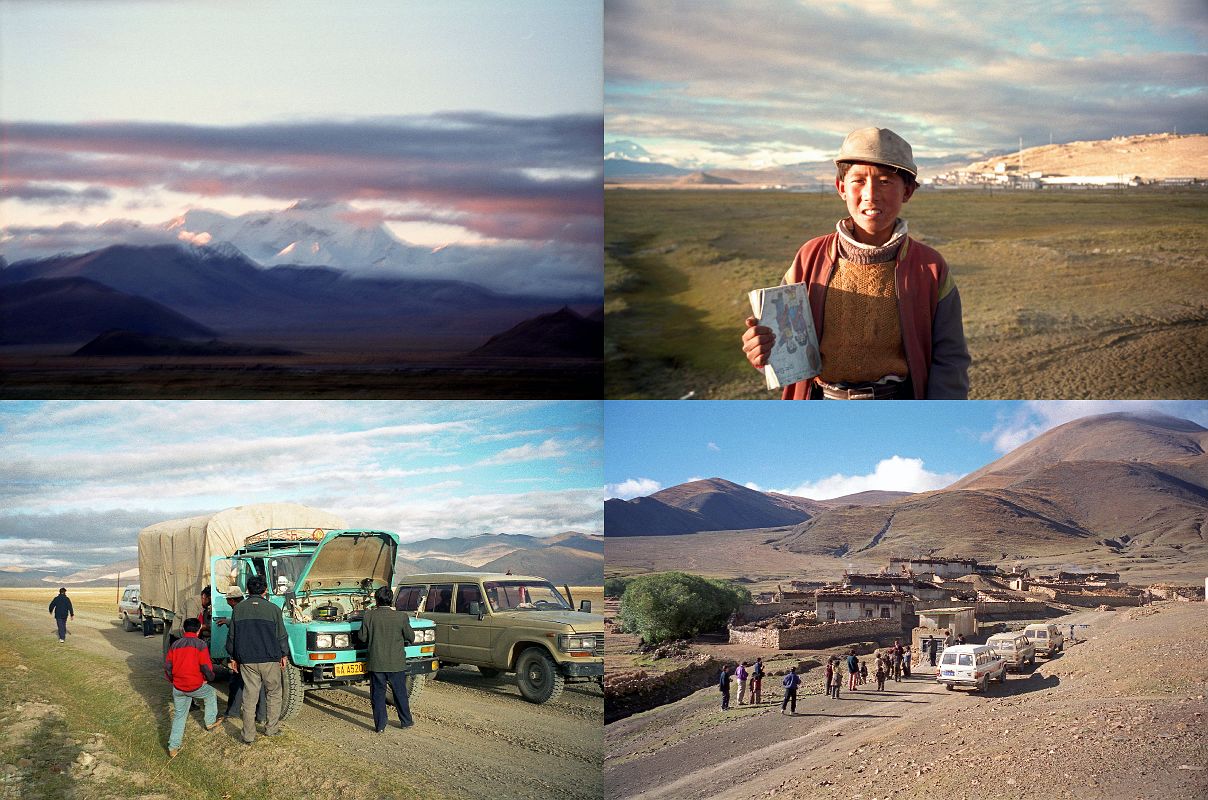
(713, 504)
(1152, 156)
(872, 497)
(1110, 489)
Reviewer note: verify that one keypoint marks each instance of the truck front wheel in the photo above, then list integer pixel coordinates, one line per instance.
(415, 685)
(537, 676)
(293, 691)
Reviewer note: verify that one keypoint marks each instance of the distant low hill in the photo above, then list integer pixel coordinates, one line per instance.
(131, 343)
(562, 334)
(570, 557)
(75, 309)
(714, 504)
(1151, 156)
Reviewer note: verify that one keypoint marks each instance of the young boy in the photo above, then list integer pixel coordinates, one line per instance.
(892, 312)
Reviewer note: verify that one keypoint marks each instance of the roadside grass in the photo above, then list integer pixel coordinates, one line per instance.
(1062, 291)
(83, 707)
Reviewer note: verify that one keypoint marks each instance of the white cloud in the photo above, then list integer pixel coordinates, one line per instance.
(550, 448)
(634, 487)
(896, 474)
(753, 485)
(713, 447)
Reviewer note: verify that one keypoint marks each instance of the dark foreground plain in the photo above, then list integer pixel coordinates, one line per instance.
(1070, 294)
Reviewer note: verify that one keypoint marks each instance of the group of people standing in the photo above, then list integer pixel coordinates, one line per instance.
(894, 663)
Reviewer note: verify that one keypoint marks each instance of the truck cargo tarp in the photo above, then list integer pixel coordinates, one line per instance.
(174, 556)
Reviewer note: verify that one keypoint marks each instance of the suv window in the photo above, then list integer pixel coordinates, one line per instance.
(408, 598)
(466, 594)
(440, 598)
(966, 660)
(1042, 634)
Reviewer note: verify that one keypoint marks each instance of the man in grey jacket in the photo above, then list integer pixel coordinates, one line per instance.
(386, 632)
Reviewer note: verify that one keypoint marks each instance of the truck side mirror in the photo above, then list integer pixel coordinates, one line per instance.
(585, 606)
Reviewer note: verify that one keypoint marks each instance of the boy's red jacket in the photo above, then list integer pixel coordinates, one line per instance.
(188, 663)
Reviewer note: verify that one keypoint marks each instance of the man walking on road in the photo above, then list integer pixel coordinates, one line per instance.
(61, 608)
(258, 645)
(791, 682)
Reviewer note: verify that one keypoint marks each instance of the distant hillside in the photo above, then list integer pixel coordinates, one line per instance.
(72, 309)
(131, 343)
(873, 497)
(714, 504)
(562, 334)
(1118, 487)
(1152, 156)
(704, 179)
(570, 557)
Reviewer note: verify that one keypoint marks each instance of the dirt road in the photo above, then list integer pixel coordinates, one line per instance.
(1120, 714)
(473, 737)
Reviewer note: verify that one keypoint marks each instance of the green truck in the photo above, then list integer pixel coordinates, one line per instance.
(322, 576)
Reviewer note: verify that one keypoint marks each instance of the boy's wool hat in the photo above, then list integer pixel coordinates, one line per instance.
(878, 146)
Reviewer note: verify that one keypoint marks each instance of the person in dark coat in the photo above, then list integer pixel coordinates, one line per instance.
(386, 632)
(757, 682)
(61, 608)
(259, 648)
(723, 683)
(235, 680)
(791, 682)
(853, 671)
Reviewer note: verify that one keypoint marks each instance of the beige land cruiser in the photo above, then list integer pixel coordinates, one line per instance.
(1014, 648)
(1046, 638)
(509, 623)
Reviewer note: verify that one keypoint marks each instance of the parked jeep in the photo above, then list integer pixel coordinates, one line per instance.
(970, 665)
(129, 611)
(1014, 648)
(1046, 637)
(509, 623)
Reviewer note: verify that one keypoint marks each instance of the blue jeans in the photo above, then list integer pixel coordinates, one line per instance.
(183, 701)
(377, 695)
(61, 622)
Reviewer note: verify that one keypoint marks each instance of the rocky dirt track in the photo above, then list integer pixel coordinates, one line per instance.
(1120, 714)
(473, 737)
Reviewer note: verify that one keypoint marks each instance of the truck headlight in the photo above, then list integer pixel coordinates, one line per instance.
(425, 635)
(569, 643)
(341, 640)
(322, 641)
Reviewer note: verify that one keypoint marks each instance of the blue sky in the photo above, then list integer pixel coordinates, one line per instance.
(78, 480)
(753, 83)
(824, 450)
(463, 122)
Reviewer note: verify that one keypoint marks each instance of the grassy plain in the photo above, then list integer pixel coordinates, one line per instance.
(1074, 294)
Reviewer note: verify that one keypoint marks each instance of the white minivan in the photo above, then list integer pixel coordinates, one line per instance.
(970, 665)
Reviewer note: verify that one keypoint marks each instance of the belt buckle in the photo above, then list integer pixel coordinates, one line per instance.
(862, 394)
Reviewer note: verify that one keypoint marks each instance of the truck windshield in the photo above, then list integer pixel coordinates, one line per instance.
(524, 595)
(283, 572)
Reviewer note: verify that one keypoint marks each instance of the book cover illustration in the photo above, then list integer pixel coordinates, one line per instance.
(794, 356)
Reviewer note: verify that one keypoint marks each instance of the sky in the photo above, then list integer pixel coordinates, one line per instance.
(465, 121)
(78, 480)
(830, 450)
(756, 83)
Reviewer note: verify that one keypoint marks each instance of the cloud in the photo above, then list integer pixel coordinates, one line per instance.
(895, 474)
(1033, 418)
(631, 488)
(737, 82)
(713, 447)
(55, 194)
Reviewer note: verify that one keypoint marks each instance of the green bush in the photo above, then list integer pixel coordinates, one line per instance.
(615, 587)
(676, 605)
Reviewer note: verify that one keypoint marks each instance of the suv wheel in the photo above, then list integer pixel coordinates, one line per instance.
(984, 684)
(537, 676)
(127, 625)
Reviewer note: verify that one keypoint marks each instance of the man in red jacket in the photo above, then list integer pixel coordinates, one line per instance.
(187, 665)
(885, 307)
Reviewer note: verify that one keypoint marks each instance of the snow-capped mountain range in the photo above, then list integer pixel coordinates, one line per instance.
(309, 234)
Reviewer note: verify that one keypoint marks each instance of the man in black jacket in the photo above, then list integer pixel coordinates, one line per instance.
(386, 632)
(259, 648)
(61, 608)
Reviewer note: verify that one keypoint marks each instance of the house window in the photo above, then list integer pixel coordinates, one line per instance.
(884, 612)
(830, 616)
(868, 613)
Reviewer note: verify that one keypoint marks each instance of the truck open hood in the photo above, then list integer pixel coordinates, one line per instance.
(347, 559)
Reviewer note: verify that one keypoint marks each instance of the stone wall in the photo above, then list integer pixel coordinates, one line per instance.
(1096, 600)
(754, 612)
(1020, 609)
(813, 637)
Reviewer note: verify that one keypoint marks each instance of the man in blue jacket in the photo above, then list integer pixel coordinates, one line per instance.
(259, 648)
(61, 608)
(791, 682)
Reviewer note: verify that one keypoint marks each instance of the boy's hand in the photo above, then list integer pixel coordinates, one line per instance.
(757, 343)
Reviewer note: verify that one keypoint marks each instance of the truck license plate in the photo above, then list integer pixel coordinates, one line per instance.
(355, 668)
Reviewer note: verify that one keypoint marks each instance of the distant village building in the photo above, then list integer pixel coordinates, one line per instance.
(907, 584)
(940, 567)
(845, 605)
(955, 621)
